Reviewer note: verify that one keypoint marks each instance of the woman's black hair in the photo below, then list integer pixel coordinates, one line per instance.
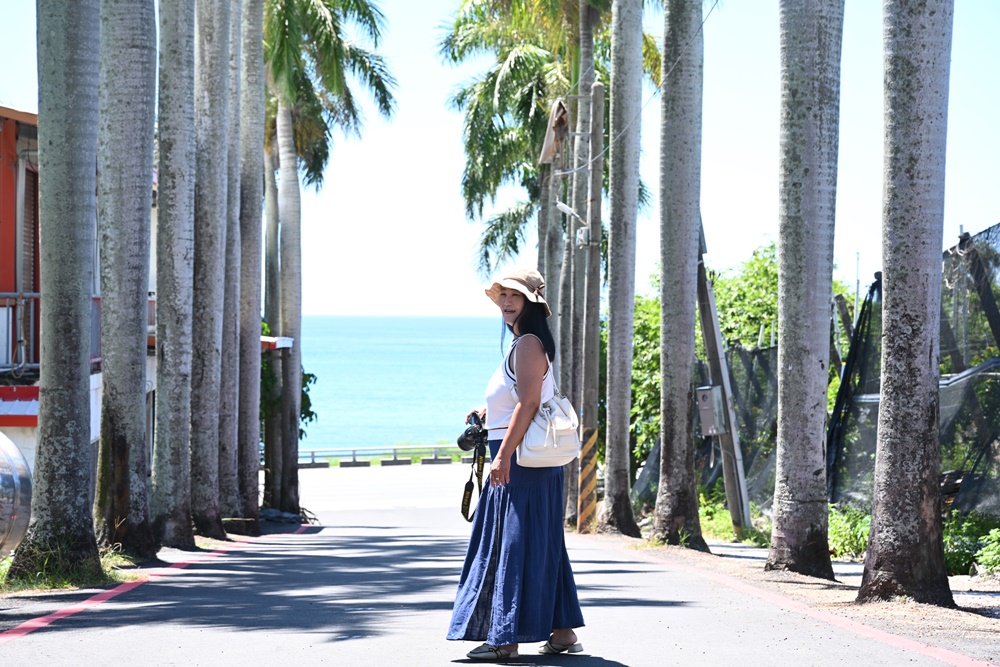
(532, 320)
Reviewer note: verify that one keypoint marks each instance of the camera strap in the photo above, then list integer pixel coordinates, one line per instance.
(478, 463)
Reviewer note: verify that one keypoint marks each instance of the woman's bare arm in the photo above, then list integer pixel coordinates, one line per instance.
(530, 364)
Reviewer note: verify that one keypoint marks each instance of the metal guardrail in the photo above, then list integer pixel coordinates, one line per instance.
(398, 455)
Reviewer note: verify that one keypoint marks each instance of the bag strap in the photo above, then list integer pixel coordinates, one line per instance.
(478, 463)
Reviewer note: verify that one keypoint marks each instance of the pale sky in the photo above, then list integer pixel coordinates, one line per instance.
(387, 233)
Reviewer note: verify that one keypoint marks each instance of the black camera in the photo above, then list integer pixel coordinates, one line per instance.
(474, 436)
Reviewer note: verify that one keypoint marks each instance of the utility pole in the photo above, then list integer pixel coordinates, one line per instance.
(586, 517)
(733, 474)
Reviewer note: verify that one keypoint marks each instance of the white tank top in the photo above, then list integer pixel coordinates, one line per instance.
(500, 401)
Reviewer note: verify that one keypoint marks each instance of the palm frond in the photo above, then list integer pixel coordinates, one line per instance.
(283, 45)
(503, 236)
(370, 68)
(652, 58)
(367, 16)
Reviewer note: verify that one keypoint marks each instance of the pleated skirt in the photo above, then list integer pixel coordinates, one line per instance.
(517, 584)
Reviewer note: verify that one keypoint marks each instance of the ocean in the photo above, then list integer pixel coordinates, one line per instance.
(382, 381)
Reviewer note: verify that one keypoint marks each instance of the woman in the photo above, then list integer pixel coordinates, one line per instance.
(517, 584)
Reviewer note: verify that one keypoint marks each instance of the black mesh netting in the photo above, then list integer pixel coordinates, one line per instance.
(969, 386)
(755, 400)
(969, 397)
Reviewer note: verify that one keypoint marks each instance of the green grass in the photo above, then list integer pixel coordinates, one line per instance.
(717, 523)
(116, 568)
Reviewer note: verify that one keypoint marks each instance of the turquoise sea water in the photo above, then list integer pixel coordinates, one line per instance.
(390, 380)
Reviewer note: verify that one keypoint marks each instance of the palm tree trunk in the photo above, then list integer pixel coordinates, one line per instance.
(905, 554)
(580, 189)
(230, 503)
(811, 36)
(544, 179)
(170, 503)
(211, 133)
(61, 530)
(591, 359)
(290, 212)
(615, 514)
(272, 313)
(124, 185)
(251, 196)
(553, 254)
(676, 516)
(565, 339)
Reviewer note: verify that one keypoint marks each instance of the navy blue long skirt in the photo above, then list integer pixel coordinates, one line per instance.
(517, 583)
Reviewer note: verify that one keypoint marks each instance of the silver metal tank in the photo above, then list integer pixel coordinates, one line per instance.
(15, 496)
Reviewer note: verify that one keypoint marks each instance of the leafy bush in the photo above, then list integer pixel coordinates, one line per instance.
(848, 531)
(964, 536)
(270, 394)
(988, 558)
(713, 514)
(717, 523)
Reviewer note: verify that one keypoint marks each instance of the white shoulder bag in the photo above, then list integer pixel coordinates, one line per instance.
(553, 436)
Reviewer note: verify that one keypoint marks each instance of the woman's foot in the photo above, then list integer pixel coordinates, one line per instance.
(494, 653)
(561, 641)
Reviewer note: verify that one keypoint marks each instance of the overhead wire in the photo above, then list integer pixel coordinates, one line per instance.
(625, 129)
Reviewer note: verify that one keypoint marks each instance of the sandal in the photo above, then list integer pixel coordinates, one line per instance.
(553, 647)
(490, 652)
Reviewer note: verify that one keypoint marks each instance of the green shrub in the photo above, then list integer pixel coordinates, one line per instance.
(848, 531)
(717, 523)
(964, 536)
(988, 558)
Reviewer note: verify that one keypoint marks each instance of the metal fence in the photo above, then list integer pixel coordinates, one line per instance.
(393, 455)
(20, 331)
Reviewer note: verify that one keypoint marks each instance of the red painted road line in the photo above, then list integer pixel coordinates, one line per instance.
(102, 597)
(898, 641)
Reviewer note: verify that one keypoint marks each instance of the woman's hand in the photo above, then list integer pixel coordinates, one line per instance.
(500, 471)
(480, 411)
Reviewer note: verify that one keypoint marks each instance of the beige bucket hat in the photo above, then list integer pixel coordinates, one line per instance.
(526, 281)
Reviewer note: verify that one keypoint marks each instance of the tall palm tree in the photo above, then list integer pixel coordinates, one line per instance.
(589, 15)
(905, 554)
(536, 45)
(676, 517)
(306, 39)
(210, 212)
(811, 36)
(170, 503)
(506, 114)
(272, 314)
(251, 197)
(290, 317)
(615, 513)
(60, 535)
(124, 186)
(230, 503)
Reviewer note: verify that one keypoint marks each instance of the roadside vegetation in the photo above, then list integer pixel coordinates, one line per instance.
(747, 302)
(717, 523)
(971, 541)
(116, 567)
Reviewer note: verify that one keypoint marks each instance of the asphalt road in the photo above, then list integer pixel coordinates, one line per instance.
(373, 585)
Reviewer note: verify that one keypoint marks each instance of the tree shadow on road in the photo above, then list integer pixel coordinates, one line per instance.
(338, 584)
(334, 584)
